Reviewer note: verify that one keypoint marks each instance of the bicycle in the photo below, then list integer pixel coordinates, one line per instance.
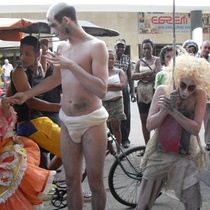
(124, 176)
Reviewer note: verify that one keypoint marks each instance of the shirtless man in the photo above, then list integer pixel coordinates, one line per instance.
(81, 66)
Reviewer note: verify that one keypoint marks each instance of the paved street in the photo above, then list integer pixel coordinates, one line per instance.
(163, 202)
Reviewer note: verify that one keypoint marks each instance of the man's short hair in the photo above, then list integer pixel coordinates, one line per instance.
(68, 12)
(61, 10)
(31, 41)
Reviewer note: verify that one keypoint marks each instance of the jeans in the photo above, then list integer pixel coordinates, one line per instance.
(125, 124)
(207, 125)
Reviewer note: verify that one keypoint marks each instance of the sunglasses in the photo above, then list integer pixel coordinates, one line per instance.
(190, 88)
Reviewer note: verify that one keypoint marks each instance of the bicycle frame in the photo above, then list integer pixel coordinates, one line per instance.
(110, 149)
(111, 138)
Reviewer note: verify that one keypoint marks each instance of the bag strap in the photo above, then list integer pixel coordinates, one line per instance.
(146, 63)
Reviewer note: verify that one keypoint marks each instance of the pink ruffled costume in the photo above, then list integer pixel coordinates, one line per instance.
(21, 179)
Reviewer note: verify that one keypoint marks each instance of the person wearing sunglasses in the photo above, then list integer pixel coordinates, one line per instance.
(170, 163)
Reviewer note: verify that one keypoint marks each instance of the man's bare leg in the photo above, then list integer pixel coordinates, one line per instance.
(72, 162)
(94, 147)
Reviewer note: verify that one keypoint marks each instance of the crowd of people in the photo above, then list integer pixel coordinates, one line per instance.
(178, 107)
(97, 87)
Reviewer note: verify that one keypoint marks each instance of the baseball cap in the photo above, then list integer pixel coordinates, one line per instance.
(120, 41)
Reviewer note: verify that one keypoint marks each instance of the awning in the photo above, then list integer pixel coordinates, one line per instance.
(12, 29)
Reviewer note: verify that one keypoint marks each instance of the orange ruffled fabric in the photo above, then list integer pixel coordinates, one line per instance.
(28, 179)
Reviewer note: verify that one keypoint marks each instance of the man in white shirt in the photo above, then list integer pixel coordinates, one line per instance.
(7, 68)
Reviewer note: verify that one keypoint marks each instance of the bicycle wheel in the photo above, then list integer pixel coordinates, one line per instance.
(124, 183)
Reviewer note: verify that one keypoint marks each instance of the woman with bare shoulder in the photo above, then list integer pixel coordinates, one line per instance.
(145, 72)
(172, 156)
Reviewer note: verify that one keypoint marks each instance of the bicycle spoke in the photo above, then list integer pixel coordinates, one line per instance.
(125, 177)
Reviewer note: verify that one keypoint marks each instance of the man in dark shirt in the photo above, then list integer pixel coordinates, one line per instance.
(31, 122)
(123, 62)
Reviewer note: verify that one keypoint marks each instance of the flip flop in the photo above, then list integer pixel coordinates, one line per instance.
(87, 194)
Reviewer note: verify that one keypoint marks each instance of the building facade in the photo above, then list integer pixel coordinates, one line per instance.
(134, 27)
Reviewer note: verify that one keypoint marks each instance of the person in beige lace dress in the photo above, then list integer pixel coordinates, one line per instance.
(169, 164)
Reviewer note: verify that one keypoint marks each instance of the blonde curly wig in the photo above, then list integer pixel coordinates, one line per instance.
(190, 67)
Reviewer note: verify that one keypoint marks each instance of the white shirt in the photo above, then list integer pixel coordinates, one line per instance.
(7, 69)
(115, 78)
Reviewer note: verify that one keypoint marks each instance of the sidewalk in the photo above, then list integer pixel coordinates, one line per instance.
(163, 202)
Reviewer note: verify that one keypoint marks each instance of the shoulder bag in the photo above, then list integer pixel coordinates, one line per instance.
(145, 90)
